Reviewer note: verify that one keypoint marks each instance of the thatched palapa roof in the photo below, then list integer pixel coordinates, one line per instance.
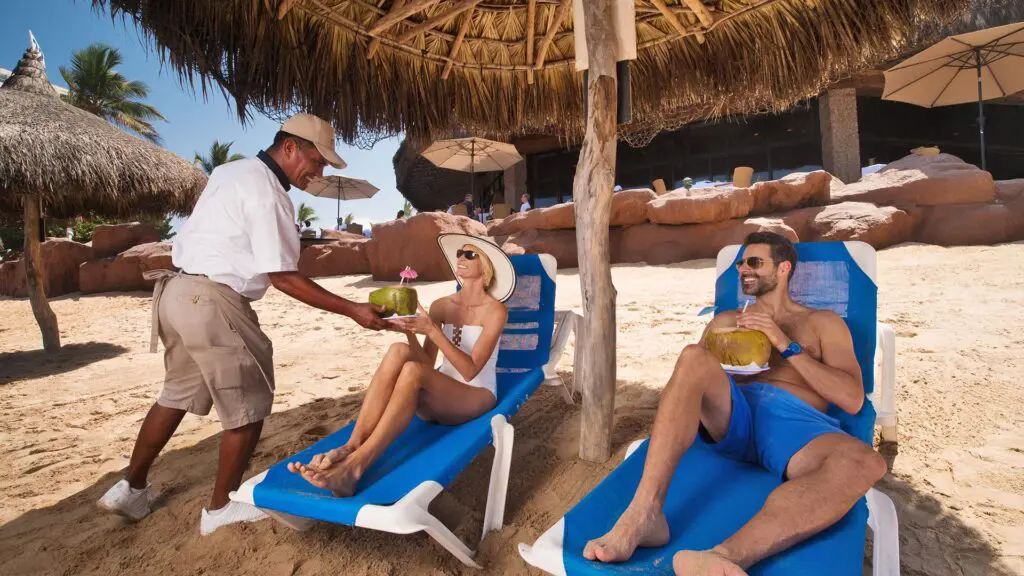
(506, 67)
(78, 162)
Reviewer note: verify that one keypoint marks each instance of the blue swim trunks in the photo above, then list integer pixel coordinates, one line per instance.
(768, 426)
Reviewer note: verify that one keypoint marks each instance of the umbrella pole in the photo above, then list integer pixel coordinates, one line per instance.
(472, 172)
(981, 107)
(33, 260)
(594, 367)
(337, 221)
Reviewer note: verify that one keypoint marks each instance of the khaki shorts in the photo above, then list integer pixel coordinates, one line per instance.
(216, 354)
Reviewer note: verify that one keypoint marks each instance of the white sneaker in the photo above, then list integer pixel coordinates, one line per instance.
(127, 501)
(230, 514)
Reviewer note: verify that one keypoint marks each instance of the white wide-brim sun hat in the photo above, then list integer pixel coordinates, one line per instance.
(504, 283)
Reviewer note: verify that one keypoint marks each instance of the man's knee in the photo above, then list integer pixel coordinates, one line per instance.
(861, 464)
(696, 354)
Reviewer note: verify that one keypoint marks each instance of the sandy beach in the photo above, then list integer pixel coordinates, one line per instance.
(68, 423)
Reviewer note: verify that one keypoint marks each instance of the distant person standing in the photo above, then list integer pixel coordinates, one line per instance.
(238, 242)
(524, 203)
(468, 203)
(400, 215)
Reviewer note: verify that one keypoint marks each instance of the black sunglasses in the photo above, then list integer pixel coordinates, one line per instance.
(752, 262)
(469, 254)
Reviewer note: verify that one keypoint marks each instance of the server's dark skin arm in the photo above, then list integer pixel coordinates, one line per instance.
(308, 292)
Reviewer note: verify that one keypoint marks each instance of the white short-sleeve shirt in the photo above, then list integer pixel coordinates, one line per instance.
(241, 229)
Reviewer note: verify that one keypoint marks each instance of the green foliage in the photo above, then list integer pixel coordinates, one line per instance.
(162, 226)
(348, 219)
(306, 212)
(85, 228)
(95, 86)
(219, 154)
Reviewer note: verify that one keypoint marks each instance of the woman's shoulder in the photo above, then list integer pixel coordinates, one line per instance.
(497, 307)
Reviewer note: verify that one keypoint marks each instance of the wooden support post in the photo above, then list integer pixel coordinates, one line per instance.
(438, 20)
(549, 34)
(45, 317)
(671, 17)
(531, 25)
(592, 190)
(399, 13)
(371, 50)
(701, 11)
(457, 44)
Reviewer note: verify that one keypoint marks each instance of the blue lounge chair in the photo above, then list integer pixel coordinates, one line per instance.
(710, 496)
(395, 492)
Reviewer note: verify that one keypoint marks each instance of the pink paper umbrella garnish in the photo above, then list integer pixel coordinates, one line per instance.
(407, 274)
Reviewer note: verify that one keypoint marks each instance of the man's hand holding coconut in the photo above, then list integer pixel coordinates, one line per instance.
(775, 419)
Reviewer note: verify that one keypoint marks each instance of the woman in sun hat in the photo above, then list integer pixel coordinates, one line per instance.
(464, 328)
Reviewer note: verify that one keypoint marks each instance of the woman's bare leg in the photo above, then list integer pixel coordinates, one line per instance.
(447, 400)
(381, 387)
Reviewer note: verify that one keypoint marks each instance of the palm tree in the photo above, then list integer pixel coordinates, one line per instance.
(306, 213)
(407, 208)
(94, 86)
(349, 218)
(219, 154)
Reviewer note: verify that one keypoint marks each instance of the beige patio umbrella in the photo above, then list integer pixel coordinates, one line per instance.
(972, 67)
(472, 155)
(342, 188)
(66, 161)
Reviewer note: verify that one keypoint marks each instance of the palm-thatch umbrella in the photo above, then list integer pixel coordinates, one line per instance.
(501, 68)
(66, 161)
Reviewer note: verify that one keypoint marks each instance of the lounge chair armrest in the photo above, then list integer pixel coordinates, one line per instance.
(885, 528)
(885, 387)
(565, 324)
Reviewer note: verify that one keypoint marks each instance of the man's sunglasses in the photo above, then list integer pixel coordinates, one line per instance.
(469, 254)
(752, 262)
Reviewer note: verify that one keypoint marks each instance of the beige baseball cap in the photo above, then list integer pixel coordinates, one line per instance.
(317, 131)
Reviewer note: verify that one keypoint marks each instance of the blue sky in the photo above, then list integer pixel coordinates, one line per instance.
(62, 26)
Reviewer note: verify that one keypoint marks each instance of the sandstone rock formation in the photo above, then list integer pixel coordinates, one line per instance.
(338, 258)
(413, 242)
(922, 181)
(113, 239)
(61, 259)
(123, 273)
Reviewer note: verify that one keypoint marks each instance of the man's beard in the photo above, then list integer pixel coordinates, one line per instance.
(763, 285)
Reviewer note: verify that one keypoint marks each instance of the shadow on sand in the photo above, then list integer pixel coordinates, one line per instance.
(31, 364)
(73, 537)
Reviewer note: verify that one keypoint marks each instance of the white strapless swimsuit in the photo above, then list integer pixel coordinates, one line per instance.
(465, 338)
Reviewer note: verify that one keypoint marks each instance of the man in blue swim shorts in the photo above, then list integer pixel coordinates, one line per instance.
(776, 420)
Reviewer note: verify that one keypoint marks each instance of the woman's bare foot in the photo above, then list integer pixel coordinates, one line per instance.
(332, 457)
(327, 459)
(636, 527)
(341, 478)
(706, 563)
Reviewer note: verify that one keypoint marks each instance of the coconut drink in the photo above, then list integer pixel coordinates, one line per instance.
(397, 300)
(739, 346)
